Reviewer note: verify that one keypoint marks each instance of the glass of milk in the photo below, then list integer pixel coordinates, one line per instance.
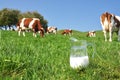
(79, 56)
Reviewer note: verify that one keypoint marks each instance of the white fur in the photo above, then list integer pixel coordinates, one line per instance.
(51, 30)
(118, 17)
(22, 23)
(106, 23)
(22, 26)
(32, 22)
(23, 33)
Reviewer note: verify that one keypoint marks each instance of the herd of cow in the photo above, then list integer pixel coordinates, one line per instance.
(34, 24)
(110, 23)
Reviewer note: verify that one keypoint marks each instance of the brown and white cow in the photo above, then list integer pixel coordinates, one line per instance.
(30, 23)
(52, 29)
(91, 34)
(110, 23)
(67, 32)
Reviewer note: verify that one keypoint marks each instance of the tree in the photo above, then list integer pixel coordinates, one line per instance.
(43, 21)
(8, 17)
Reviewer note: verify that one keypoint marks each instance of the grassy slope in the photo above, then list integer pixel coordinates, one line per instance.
(30, 58)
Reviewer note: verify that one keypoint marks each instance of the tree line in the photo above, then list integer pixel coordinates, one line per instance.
(10, 17)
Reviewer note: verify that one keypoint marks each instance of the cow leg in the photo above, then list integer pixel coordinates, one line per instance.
(65, 34)
(34, 33)
(54, 31)
(105, 35)
(41, 32)
(69, 34)
(90, 34)
(119, 34)
(110, 36)
(47, 32)
(110, 33)
(19, 32)
(24, 33)
(93, 34)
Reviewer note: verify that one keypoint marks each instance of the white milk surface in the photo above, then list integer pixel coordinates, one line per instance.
(76, 62)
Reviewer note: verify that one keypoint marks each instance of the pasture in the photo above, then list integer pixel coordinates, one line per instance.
(30, 58)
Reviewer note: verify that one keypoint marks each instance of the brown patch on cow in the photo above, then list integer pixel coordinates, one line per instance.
(27, 21)
(106, 16)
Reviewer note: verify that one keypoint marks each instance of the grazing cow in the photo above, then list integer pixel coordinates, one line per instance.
(52, 29)
(110, 23)
(67, 32)
(32, 24)
(91, 34)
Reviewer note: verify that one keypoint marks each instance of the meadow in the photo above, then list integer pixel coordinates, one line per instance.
(29, 58)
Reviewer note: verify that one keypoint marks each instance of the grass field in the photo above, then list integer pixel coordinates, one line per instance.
(29, 58)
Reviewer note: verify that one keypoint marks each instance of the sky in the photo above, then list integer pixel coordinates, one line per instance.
(81, 15)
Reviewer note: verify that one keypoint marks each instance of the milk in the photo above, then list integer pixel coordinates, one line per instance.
(76, 62)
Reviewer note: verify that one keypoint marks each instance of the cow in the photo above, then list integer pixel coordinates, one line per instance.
(51, 29)
(67, 32)
(30, 24)
(110, 23)
(91, 34)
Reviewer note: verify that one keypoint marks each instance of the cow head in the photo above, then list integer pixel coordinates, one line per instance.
(42, 32)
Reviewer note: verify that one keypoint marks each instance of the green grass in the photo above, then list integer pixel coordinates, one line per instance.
(29, 58)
